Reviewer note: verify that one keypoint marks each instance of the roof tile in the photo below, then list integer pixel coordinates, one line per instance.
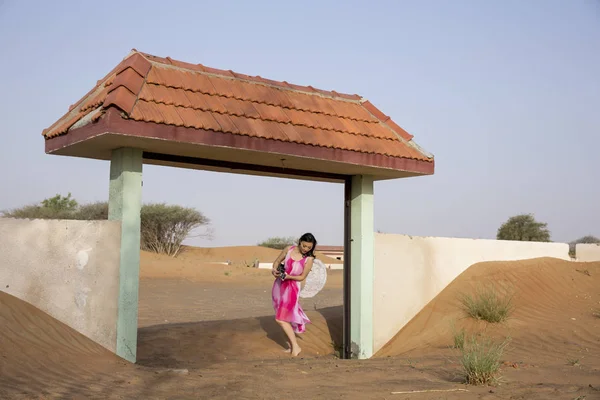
(165, 91)
(399, 130)
(271, 113)
(138, 63)
(95, 101)
(226, 123)
(171, 115)
(222, 86)
(146, 111)
(200, 119)
(291, 133)
(122, 98)
(129, 78)
(265, 128)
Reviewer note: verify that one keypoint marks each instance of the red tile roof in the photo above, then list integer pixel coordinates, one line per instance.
(165, 91)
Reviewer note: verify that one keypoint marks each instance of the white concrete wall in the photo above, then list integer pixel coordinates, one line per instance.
(411, 271)
(587, 252)
(334, 255)
(68, 269)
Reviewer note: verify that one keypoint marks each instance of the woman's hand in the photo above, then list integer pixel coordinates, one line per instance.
(275, 273)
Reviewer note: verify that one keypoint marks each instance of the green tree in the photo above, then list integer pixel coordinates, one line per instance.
(60, 203)
(165, 227)
(278, 243)
(524, 227)
(57, 207)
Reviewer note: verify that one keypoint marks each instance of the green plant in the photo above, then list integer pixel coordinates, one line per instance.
(459, 339)
(91, 212)
(62, 203)
(523, 227)
(480, 360)
(573, 362)
(487, 305)
(278, 243)
(57, 207)
(165, 227)
(37, 212)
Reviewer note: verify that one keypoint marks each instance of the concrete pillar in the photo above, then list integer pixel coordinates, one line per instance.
(124, 204)
(362, 266)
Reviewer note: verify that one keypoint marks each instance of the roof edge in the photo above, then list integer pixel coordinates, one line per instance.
(74, 108)
(113, 122)
(400, 132)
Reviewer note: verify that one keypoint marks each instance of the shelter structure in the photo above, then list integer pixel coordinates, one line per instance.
(154, 110)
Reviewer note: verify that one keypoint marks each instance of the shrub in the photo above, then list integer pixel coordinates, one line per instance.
(91, 212)
(165, 227)
(487, 305)
(57, 207)
(37, 212)
(524, 227)
(278, 243)
(459, 338)
(480, 360)
(60, 203)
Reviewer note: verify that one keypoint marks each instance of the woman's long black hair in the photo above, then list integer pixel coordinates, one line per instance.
(309, 238)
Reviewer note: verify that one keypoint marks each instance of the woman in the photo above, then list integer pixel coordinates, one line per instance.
(298, 261)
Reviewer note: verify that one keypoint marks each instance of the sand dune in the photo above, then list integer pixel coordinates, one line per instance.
(243, 358)
(553, 317)
(36, 350)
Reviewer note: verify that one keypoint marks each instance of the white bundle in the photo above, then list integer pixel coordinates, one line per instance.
(315, 281)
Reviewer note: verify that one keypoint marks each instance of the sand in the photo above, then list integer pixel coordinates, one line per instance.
(206, 331)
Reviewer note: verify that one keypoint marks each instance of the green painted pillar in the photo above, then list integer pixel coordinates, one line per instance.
(362, 266)
(124, 204)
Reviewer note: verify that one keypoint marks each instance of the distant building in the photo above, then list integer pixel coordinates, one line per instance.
(336, 252)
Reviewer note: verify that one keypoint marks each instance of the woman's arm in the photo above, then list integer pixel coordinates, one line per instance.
(301, 277)
(278, 261)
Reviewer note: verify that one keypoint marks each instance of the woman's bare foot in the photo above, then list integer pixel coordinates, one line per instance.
(296, 351)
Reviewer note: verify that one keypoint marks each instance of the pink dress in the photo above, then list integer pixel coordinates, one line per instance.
(286, 294)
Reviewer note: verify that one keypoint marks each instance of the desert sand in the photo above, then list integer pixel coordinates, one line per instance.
(206, 330)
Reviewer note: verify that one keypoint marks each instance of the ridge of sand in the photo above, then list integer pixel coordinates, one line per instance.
(36, 349)
(553, 319)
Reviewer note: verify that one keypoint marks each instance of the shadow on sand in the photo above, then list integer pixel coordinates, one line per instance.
(200, 344)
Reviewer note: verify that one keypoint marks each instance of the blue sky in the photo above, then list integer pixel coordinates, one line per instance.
(505, 94)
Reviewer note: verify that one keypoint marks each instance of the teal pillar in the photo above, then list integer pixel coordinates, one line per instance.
(124, 204)
(362, 266)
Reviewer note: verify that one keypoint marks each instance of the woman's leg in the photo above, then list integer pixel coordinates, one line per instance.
(289, 331)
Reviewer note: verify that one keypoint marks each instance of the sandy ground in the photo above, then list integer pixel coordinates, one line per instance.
(207, 331)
